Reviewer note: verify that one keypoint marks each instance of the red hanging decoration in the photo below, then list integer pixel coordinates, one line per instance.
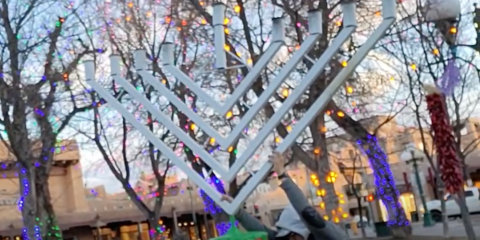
(447, 158)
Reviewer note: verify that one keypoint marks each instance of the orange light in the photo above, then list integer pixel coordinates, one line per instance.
(316, 151)
(192, 126)
(323, 129)
(229, 115)
(435, 51)
(230, 149)
(212, 140)
(340, 114)
(453, 30)
(285, 92)
(370, 198)
(237, 9)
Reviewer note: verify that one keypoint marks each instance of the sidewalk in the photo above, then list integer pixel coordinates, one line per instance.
(456, 229)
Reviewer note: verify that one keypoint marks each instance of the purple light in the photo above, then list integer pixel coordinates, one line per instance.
(450, 79)
(212, 208)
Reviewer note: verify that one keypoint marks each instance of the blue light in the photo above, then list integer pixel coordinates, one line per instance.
(384, 182)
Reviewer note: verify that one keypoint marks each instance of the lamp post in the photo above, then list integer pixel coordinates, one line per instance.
(412, 155)
(194, 214)
(365, 186)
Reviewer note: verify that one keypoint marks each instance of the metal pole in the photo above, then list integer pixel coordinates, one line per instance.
(369, 206)
(194, 216)
(427, 217)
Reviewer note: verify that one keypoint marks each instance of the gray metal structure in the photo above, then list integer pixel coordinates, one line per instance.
(278, 31)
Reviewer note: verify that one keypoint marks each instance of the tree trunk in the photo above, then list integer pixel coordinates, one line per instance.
(441, 192)
(386, 190)
(326, 186)
(467, 222)
(27, 202)
(154, 224)
(45, 211)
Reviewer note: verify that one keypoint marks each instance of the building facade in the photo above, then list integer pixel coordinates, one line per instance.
(94, 214)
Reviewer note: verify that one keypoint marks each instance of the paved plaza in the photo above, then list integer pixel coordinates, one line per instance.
(456, 229)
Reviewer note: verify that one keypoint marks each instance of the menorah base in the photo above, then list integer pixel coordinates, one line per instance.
(235, 234)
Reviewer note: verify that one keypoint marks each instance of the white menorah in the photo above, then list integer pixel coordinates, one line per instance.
(278, 33)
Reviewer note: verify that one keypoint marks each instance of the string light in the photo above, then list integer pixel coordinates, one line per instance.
(349, 89)
(384, 180)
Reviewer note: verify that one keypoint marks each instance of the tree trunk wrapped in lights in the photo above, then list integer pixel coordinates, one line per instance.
(447, 159)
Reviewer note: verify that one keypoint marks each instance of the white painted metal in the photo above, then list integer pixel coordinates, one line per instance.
(245, 85)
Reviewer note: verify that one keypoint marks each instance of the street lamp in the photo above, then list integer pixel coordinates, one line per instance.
(413, 155)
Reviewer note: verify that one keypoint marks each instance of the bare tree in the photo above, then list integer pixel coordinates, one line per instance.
(38, 83)
(428, 54)
(252, 42)
(138, 29)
